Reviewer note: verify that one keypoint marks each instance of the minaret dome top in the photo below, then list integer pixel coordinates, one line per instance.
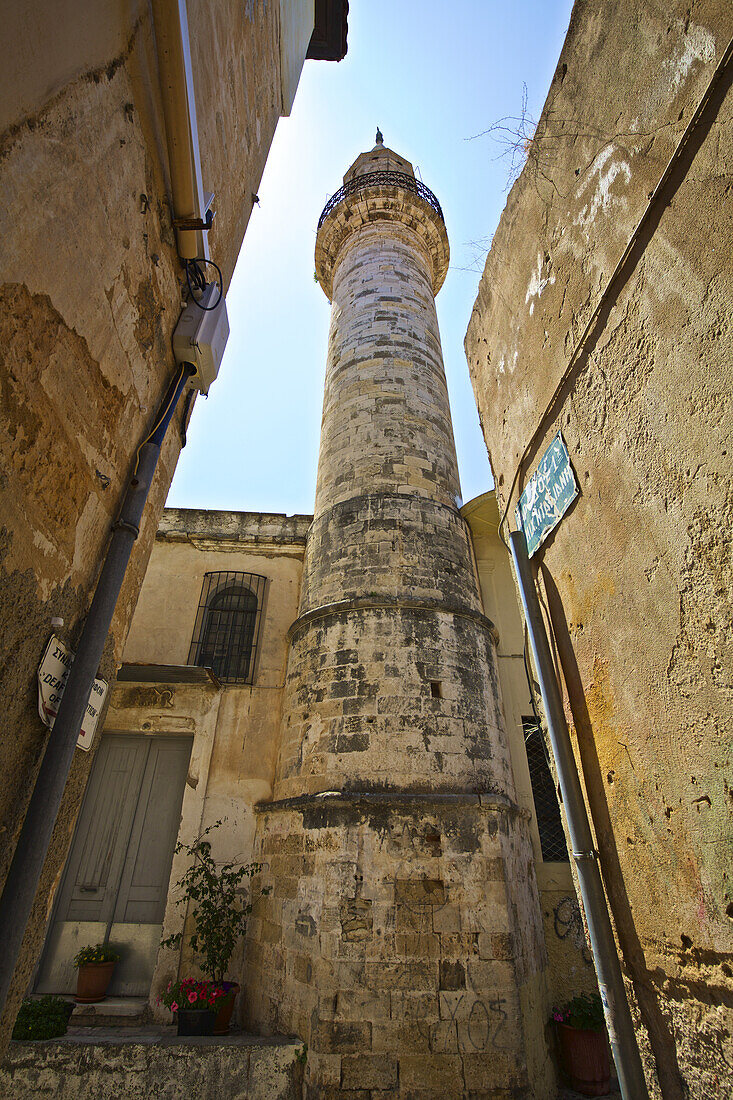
(379, 188)
(379, 159)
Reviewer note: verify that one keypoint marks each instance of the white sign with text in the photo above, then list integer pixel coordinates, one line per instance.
(53, 672)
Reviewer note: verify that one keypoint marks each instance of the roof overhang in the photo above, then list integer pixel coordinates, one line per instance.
(328, 41)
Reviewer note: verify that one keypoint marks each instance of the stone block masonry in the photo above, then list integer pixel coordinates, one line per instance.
(386, 418)
(390, 940)
(402, 922)
(359, 710)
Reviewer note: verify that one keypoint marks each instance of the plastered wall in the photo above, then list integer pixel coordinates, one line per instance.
(635, 582)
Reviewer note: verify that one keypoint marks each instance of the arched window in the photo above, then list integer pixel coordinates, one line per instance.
(226, 634)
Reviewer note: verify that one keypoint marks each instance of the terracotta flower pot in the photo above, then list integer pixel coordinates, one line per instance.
(92, 980)
(196, 1021)
(586, 1060)
(224, 1014)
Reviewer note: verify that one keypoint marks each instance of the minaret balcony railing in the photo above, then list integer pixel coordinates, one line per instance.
(381, 179)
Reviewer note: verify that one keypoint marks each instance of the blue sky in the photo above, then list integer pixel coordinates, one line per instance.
(432, 74)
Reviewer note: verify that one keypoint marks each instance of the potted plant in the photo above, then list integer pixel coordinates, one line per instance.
(95, 966)
(581, 1032)
(219, 916)
(195, 1003)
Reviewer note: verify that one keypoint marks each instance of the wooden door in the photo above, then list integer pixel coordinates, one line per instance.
(116, 879)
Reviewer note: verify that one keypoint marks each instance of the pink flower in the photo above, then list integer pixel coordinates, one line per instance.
(174, 1006)
(191, 998)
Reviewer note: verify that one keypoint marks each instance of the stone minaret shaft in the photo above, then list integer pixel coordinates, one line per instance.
(391, 623)
(392, 828)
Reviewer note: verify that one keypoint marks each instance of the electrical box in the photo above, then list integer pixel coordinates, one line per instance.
(201, 336)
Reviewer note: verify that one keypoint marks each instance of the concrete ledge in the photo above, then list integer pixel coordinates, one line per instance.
(393, 799)
(127, 1064)
(211, 524)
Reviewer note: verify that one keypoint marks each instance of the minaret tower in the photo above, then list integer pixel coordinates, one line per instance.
(403, 927)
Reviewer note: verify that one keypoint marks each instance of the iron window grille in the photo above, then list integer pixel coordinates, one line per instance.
(547, 809)
(226, 634)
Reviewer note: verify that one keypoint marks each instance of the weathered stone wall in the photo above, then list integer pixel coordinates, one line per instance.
(636, 580)
(136, 1068)
(90, 292)
(407, 547)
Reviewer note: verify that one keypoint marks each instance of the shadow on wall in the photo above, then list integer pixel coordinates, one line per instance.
(647, 995)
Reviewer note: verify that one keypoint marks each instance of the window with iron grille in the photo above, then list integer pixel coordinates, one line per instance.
(547, 810)
(227, 630)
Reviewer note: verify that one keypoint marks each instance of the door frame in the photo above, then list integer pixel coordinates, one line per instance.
(170, 706)
(113, 813)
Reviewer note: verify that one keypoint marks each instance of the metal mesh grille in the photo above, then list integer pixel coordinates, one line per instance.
(547, 810)
(381, 179)
(227, 630)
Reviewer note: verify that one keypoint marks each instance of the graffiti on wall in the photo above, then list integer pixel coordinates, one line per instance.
(569, 926)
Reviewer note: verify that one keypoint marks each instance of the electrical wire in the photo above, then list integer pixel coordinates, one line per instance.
(161, 418)
(695, 118)
(184, 419)
(195, 272)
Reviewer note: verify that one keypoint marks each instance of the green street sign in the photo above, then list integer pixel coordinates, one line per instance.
(548, 495)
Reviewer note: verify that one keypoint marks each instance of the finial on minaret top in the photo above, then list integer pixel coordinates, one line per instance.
(380, 137)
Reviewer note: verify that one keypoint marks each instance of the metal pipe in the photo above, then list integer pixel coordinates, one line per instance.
(179, 108)
(35, 836)
(608, 969)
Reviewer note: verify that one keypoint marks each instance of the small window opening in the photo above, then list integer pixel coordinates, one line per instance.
(436, 689)
(227, 628)
(547, 810)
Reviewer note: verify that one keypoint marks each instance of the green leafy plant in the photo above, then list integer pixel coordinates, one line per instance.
(302, 1055)
(100, 953)
(191, 994)
(584, 1012)
(220, 912)
(42, 1018)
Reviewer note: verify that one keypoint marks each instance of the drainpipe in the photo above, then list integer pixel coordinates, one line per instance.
(608, 969)
(30, 853)
(179, 108)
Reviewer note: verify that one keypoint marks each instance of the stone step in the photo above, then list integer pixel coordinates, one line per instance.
(112, 1012)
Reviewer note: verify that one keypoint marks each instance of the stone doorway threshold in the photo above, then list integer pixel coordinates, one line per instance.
(137, 1062)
